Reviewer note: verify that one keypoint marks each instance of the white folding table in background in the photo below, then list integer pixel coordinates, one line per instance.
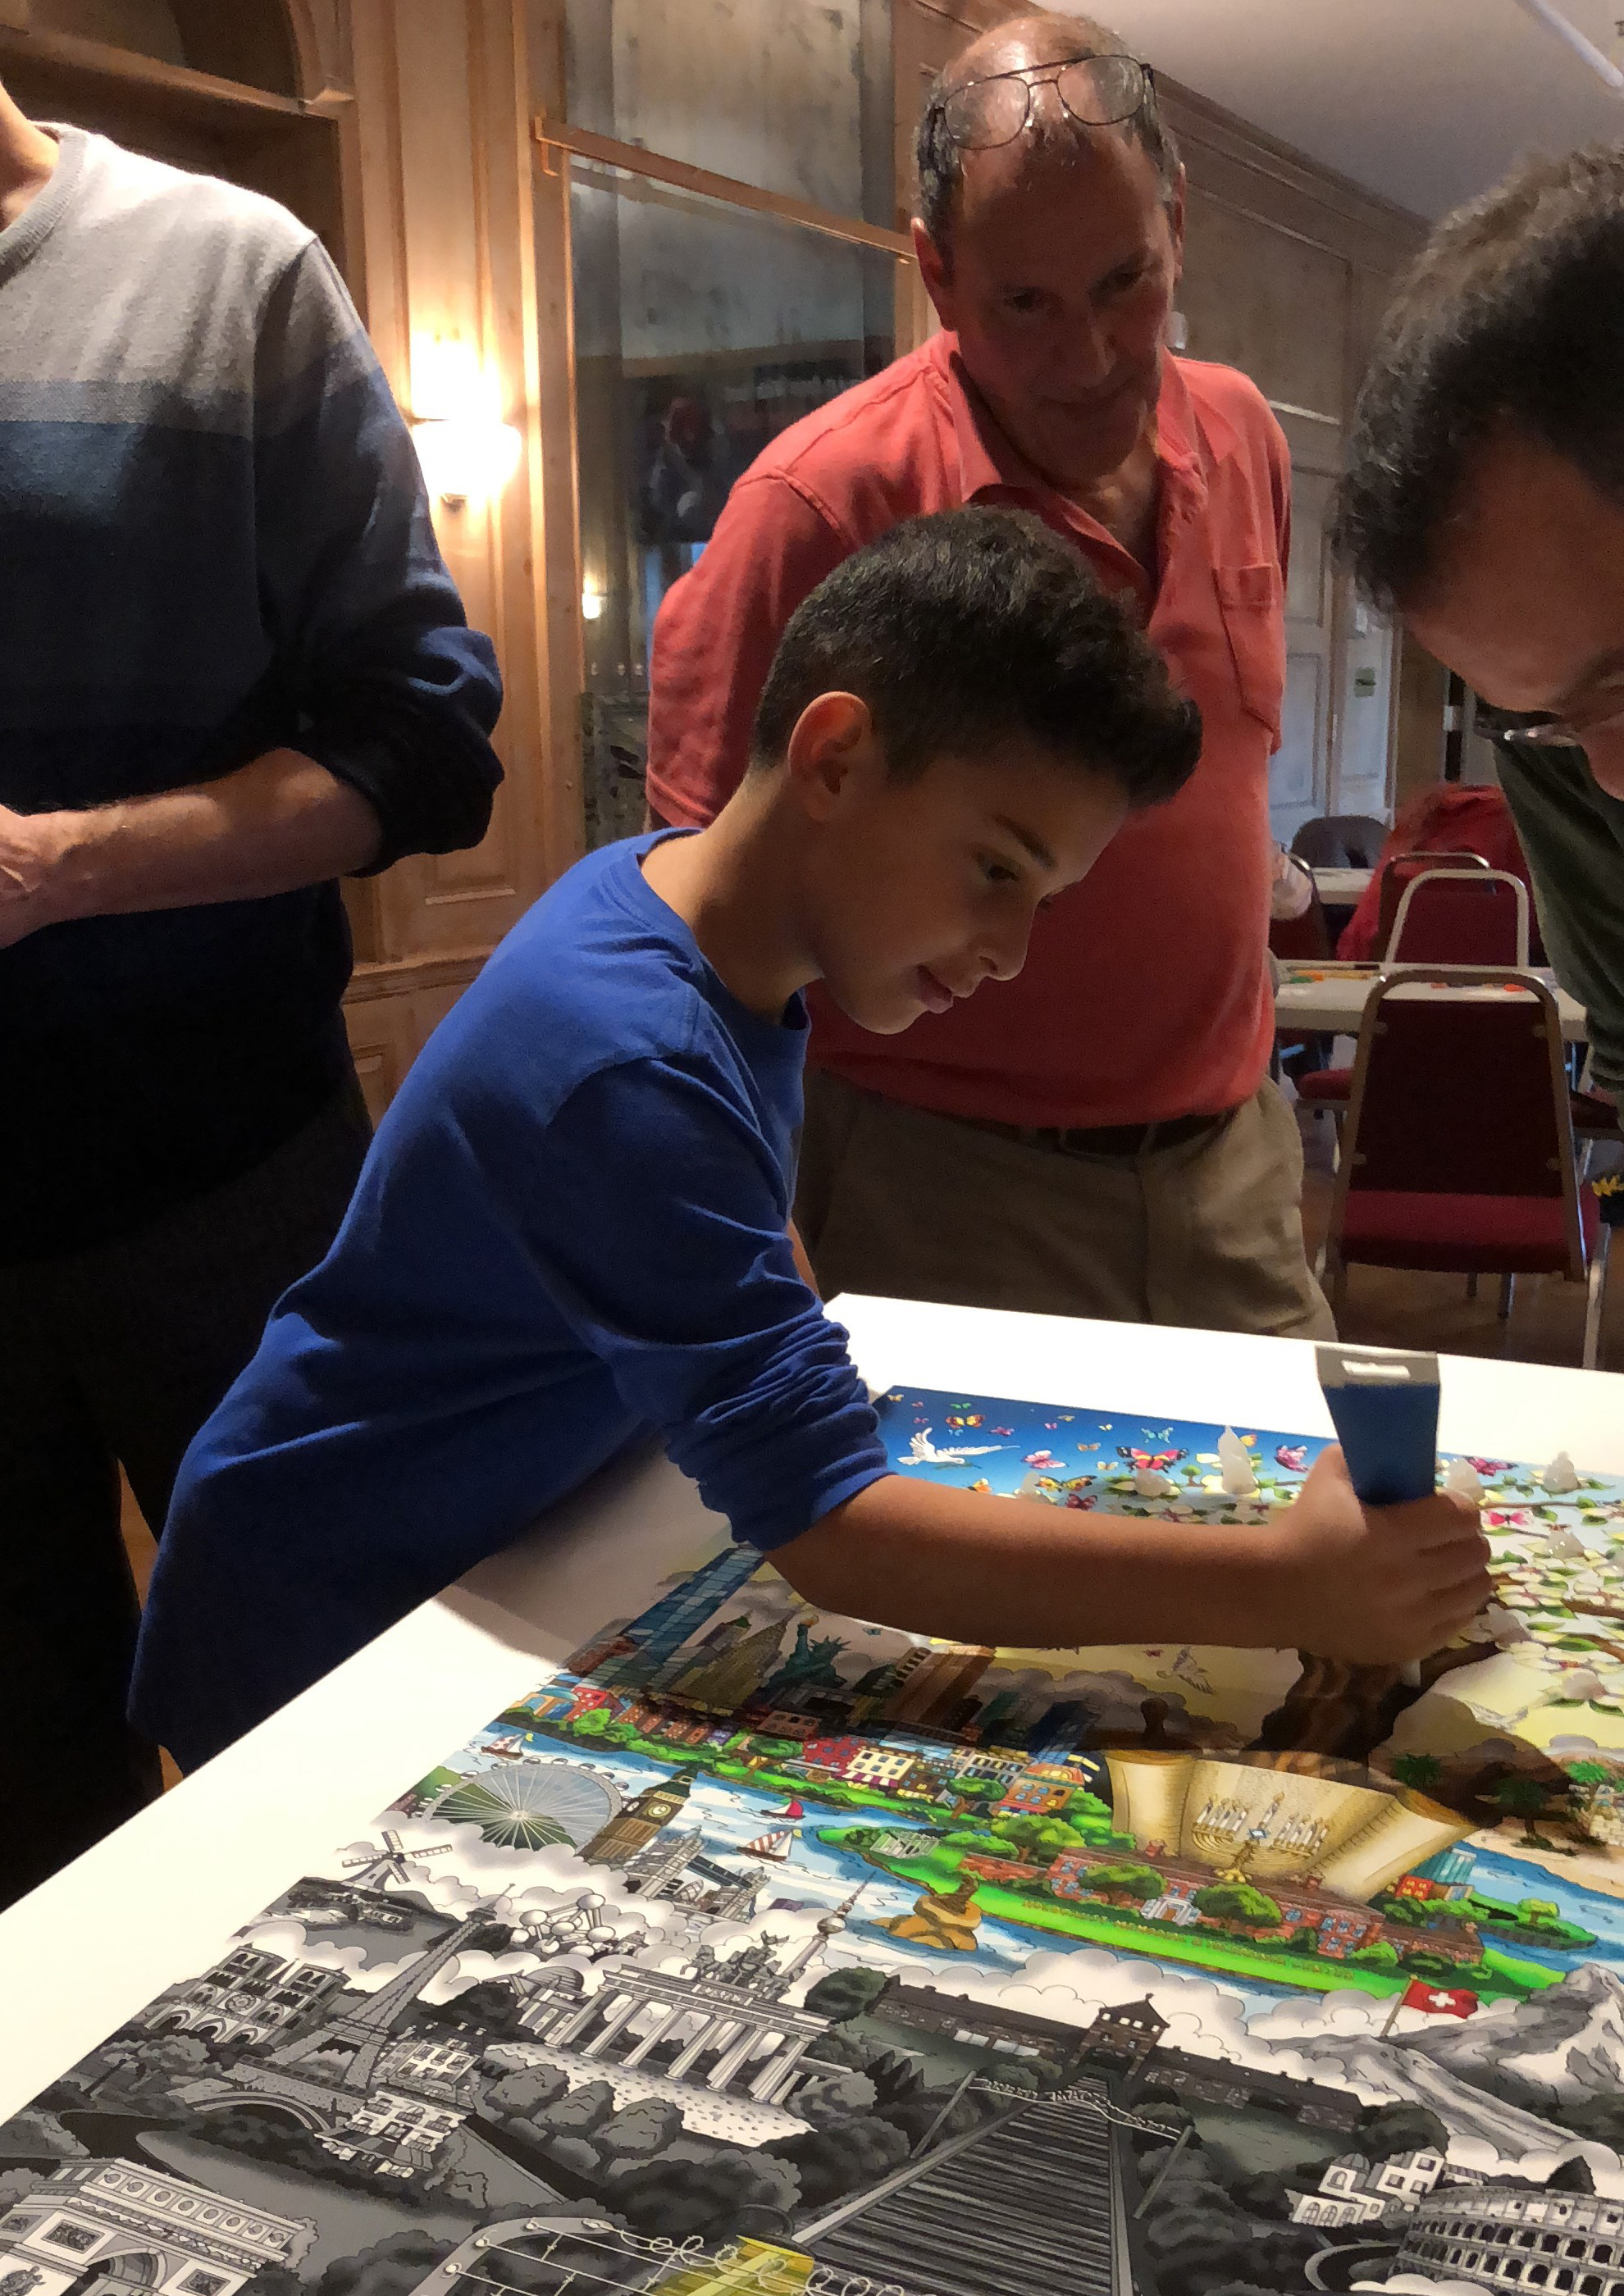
(1333, 1002)
(156, 1901)
(1343, 888)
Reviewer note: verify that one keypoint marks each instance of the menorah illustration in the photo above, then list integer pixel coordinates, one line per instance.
(1232, 1834)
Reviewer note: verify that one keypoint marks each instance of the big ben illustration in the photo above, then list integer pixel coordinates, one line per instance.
(638, 1821)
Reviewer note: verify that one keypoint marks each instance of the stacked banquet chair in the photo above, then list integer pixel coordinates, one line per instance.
(1459, 1148)
(1462, 912)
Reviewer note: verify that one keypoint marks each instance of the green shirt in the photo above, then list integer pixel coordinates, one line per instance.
(1573, 834)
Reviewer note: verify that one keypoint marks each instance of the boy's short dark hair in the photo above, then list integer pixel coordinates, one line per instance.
(1513, 313)
(973, 630)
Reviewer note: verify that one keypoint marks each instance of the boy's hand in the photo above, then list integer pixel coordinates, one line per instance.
(1377, 1586)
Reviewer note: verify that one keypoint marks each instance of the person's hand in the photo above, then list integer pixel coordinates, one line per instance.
(33, 850)
(1377, 1586)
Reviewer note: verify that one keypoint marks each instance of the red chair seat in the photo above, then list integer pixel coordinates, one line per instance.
(1324, 1085)
(1590, 1114)
(1466, 1235)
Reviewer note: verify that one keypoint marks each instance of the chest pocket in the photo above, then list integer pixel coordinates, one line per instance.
(1253, 601)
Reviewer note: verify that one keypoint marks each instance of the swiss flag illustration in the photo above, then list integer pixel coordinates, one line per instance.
(1438, 2000)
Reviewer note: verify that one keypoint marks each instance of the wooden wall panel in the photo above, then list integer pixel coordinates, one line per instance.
(443, 98)
(1261, 299)
(390, 1013)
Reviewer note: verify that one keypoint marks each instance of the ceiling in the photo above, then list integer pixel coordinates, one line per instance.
(1426, 101)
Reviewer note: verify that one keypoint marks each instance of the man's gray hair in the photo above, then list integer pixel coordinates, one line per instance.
(940, 159)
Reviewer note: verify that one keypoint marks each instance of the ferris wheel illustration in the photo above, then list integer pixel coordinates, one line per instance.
(530, 1805)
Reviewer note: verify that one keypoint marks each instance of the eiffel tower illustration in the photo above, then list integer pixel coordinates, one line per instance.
(368, 2028)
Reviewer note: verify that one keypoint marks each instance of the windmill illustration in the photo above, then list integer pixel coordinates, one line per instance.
(389, 1861)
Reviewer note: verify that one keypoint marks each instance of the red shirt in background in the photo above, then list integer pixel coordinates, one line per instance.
(1448, 819)
(1146, 993)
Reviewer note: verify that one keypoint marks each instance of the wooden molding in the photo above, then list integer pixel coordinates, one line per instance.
(1382, 233)
(407, 976)
(973, 16)
(555, 446)
(317, 29)
(174, 87)
(609, 152)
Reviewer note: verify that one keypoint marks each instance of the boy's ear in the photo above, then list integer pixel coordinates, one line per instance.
(832, 753)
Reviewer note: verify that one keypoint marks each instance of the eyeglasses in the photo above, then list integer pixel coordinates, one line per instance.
(1093, 91)
(1605, 717)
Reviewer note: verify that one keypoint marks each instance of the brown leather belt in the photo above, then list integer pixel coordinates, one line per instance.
(1101, 1139)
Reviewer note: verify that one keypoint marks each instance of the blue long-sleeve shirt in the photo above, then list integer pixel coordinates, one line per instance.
(214, 541)
(571, 1229)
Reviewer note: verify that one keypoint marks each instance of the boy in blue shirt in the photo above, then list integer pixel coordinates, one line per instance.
(574, 1226)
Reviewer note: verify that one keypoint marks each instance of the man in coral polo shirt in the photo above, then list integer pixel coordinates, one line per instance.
(1099, 1135)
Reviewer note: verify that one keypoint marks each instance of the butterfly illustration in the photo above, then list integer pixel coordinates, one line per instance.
(1038, 1459)
(963, 1419)
(1292, 1455)
(1489, 1466)
(1148, 1463)
(1084, 1500)
(1002, 1431)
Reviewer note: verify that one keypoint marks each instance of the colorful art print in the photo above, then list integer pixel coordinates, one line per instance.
(1540, 1684)
(758, 1950)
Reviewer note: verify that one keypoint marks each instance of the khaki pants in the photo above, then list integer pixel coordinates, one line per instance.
(1207, 1232)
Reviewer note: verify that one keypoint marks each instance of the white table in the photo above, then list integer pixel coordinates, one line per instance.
(156, 1901)
(1334, 1003)
(1343, 888)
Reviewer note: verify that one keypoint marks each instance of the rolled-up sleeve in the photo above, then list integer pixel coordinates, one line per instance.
(661, 1238)
(385, 684)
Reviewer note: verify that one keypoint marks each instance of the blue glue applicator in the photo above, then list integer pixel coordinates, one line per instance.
(1384, 1409)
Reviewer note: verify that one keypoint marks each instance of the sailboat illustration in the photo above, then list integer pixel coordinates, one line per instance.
(775, 1843)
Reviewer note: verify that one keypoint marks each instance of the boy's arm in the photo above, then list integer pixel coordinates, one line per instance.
(1377, 1585)
(713, 1336)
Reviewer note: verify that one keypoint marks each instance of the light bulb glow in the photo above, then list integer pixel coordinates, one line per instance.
(468, 459)
(467, 451)
(592, 605)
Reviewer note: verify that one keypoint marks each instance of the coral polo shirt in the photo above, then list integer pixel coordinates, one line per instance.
(1146, 991)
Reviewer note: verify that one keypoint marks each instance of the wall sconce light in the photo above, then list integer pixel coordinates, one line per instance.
(467, 458)
(468, 453)
(592, 605)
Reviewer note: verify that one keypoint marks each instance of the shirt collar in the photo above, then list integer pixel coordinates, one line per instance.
(49, 203)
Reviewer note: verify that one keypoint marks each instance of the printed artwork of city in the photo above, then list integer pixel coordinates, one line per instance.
(756, 1949)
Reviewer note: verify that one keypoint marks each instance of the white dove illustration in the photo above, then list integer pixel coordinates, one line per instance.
(923, 1453)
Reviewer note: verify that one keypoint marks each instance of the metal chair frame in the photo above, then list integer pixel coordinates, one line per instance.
(1484, 876)
(1587, 1267)
(1387, 905)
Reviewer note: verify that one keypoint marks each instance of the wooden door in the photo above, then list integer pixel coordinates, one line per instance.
(1275, 305)
(1299, 784)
